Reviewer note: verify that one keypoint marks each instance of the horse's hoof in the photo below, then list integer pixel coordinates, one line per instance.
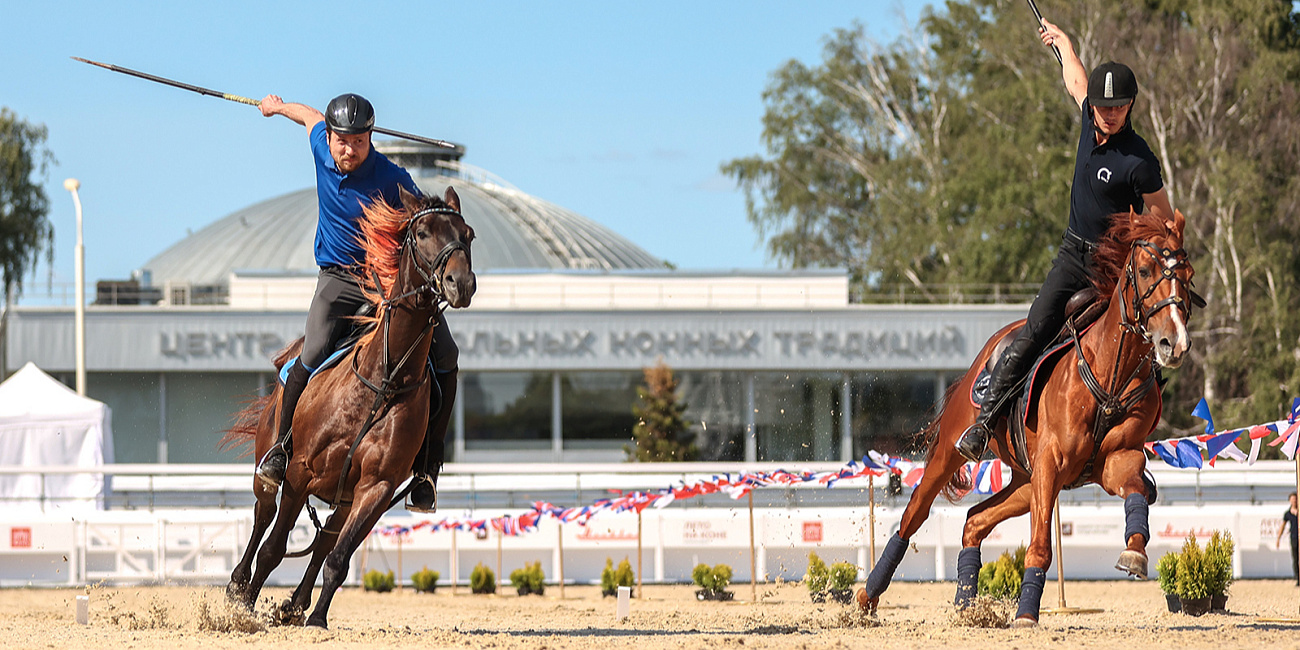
(867, 604)
(1024, 622)
(288, 614)
(1133, 563)
(317, 622)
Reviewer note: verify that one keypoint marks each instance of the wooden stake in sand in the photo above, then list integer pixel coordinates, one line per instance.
(871, 518)
(559, 542)
(639, 592)
(453, 561)
(399, 560)
(499, 536)
(1060, 574)
(753, 562)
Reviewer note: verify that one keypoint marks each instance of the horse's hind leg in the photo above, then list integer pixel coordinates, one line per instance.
(271, 553)
(1121, 475)
(368, 504)
(263, 513)
(1011, 501)
(291, 610)
(942, 464)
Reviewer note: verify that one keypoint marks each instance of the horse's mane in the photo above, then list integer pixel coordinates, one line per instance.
(1114, 246)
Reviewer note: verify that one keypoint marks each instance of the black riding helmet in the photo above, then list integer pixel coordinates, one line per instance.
(1111, 84)
(350, 114)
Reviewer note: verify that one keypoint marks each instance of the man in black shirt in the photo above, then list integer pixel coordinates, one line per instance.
(1114, 171)
(1289, 521)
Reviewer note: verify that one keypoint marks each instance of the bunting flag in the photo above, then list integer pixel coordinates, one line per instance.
(987, 477)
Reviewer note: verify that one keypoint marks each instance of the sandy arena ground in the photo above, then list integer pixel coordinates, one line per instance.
(912, 616)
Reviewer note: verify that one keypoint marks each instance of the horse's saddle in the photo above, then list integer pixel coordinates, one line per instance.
(1081, 311)
(341, 349)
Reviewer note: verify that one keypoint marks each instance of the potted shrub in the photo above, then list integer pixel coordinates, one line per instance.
(425, 581)
(1001, 578)
(713, 582)
(376, 581)
(842, 577)
(817, 579)
(611, 579)
(529, 580)
(482, 580)
(1167, 574)
(1218, 560)
(1193, 579)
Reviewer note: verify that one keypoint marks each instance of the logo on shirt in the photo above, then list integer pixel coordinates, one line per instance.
(1103, 174)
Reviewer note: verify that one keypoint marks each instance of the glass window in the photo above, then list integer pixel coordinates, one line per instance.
(715, 408)
(200, 407)
(596, 408)
(133, 398)
(889, 409)
(507, 410)
(797, 416)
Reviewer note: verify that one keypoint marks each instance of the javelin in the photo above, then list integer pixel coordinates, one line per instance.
(254, 102)
(1039, 16)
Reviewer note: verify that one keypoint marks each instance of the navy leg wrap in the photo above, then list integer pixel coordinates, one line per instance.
(968, 576)
(880, 576)
(1031, 592)
(1136, 515)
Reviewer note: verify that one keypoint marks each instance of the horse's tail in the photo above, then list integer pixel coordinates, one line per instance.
(247, 421)
(959, 484)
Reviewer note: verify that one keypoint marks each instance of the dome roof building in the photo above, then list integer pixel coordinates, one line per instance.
(514, 231)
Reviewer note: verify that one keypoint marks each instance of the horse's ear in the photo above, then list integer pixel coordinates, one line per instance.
(1179, 223)
(409, 201)
(451, 199)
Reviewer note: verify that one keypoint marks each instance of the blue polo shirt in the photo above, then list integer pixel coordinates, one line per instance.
(1109, 178)
(341, 196)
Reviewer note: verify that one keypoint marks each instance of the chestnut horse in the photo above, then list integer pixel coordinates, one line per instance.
(1098, 405)
(367, 413)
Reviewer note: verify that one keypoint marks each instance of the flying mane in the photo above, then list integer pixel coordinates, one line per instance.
(1114, 246)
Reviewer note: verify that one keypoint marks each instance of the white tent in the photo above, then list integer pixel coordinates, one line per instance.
(43, 422)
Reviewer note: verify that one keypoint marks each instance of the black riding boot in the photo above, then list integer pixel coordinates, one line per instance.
(424, 494)
(1006, 376)
(271, 470)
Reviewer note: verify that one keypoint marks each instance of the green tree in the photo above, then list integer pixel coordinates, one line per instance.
(661, 432)
(24, 230)
(947, 155)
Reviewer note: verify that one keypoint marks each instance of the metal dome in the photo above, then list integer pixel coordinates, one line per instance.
(513, 231)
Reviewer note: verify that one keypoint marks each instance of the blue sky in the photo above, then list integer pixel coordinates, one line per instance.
(622, 112)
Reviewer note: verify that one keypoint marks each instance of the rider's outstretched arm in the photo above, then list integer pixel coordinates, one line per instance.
(300, 113)
(1072, 70)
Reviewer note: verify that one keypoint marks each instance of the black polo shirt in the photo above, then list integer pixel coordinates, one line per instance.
(1110, 178)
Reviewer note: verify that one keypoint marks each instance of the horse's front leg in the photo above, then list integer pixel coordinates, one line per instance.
(1045, 487)
(1012, 501)
(263, 513)
(1121, 475)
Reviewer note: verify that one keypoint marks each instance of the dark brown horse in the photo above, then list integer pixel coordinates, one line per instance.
(420, 256)
(1097, 406)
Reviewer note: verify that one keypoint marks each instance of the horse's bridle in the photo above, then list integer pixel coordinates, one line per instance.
(1112, 408)
(430, 272)
(1169, 261)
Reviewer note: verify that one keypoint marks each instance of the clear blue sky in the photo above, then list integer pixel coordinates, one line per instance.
(620, 111)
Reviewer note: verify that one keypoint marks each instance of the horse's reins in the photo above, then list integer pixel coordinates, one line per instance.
(384, 391)
(1111, 408)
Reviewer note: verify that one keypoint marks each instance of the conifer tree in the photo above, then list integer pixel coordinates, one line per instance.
(661, 433)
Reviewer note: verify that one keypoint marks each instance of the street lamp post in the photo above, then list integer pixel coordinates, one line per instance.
(79, 343)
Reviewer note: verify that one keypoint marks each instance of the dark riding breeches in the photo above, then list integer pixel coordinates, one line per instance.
(1069, 275)
(338, 296)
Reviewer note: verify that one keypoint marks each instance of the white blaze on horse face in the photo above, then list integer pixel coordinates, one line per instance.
(1180, 343)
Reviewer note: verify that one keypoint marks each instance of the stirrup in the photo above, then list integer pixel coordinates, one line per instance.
(424, 495)
(270, 471)
(974, 442)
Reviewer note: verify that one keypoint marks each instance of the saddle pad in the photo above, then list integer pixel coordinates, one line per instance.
(330, 362)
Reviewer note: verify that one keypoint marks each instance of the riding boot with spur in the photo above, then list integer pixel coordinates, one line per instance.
(1006, 376)
(271, 470)
(428, 463)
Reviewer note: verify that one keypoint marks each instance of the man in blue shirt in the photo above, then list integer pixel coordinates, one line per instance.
(1114, 171)
(349, 175)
